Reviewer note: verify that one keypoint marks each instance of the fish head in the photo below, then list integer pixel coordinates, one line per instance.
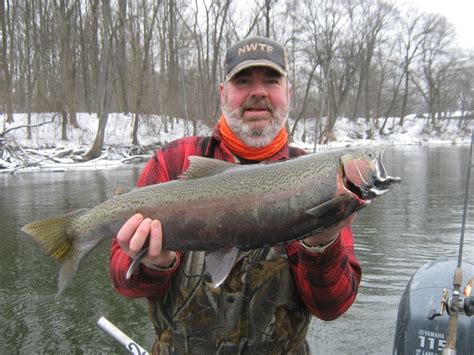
(364, 174)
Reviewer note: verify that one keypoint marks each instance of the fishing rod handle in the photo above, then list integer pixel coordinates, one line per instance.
(120, 336)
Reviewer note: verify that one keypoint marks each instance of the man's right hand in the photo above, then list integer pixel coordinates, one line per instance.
(133, 235)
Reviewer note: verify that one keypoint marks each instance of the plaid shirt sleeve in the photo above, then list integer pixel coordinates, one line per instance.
(327, 282)
(164, 166)
(144, 283)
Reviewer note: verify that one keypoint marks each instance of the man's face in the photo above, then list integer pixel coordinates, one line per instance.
(255, 104)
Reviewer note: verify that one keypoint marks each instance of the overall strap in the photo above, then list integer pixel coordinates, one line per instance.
(293, 151)
(207, 147)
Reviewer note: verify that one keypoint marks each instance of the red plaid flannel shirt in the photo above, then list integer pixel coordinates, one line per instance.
(327, 282)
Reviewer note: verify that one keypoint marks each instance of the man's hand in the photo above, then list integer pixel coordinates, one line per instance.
(327, 236)
(133, 235)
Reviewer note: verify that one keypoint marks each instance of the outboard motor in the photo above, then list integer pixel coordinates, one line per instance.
(422, 328)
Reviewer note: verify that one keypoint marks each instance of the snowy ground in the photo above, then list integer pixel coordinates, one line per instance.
(46, 151)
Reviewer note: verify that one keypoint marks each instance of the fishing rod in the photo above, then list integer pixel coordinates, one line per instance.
(456, 304)
(109, 328)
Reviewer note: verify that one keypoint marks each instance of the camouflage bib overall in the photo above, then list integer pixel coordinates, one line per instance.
(256, 311)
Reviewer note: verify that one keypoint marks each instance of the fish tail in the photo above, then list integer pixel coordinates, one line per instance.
(56, 239)
(67, 271)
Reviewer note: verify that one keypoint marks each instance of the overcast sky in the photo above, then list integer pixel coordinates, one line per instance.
(459, 12)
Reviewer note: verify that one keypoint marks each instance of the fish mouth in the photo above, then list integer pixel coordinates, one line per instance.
(367, 178)
(367, 192)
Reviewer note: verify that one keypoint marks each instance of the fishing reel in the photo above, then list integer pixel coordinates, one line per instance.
(455, 304)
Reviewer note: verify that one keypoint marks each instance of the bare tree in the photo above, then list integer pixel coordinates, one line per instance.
(7, 33)
(268, 21)
(411, 37)
(141, 83)
(463, 86)
(337, 50)
(390, 80)
(29, 13)
(436, 62)
(369, 18)
(306, 99)
(122, 56)
(67, 96)
(104, 85)
(208, 44)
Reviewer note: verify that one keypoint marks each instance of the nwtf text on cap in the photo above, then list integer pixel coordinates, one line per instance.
(255, 51)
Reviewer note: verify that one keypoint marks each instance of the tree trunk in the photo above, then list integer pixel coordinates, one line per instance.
(104, 84)
(96, 150)
(29, 69)
(64, 126)
(405, 97)
(122, 57)
(135, 125)
(142, 76)
(84, 64)
(305, 101)
(7, 80)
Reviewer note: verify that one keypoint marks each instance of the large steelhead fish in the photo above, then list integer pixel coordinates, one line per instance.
(222, 207)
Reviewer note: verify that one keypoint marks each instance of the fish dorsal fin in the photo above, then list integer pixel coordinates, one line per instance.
(202, 167)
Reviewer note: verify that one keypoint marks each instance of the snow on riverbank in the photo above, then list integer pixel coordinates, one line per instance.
(46, 151)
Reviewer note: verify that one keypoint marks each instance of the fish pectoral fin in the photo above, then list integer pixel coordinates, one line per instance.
(219, 264)
(201, 167)
(336, 209)
(135, 262)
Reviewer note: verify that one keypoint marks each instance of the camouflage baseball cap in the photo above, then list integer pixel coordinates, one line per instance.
(255, 51)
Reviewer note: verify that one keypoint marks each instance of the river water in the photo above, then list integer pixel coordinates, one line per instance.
(417, 222)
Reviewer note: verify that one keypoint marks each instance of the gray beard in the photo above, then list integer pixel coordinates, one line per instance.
(255, 137)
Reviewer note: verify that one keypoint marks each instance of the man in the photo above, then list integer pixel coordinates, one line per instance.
(265, 304)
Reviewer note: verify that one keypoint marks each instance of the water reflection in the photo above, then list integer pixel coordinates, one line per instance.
(417, 222)
(32, 318)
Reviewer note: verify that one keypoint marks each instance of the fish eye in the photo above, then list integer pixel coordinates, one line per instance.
(370, 155)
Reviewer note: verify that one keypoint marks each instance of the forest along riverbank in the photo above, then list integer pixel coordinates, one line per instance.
(46, 151)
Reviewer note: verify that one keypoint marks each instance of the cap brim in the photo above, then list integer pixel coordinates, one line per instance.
(255, 63)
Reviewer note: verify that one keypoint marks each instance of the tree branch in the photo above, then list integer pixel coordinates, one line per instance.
(2, 134)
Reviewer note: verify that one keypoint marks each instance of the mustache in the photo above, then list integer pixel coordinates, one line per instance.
(263, 104)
